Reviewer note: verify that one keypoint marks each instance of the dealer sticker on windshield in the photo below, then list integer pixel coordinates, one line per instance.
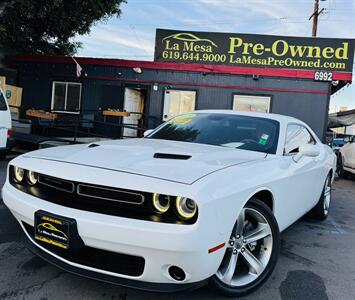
(183, 119)
(263, 139)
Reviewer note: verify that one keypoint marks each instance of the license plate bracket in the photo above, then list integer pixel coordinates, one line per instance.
(56, 231)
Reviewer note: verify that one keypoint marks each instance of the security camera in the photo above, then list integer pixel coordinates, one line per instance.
(335, 82)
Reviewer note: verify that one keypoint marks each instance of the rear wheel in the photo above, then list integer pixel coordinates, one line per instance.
(321, 210)
(252, 251)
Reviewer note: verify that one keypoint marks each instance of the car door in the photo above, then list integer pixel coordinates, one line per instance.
(5, 120)
(348, 152)
(305, 177)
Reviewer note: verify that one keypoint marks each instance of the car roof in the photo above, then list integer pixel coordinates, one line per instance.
(277, 117)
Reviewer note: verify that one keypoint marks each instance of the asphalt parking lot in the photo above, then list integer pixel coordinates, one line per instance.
(317, 262)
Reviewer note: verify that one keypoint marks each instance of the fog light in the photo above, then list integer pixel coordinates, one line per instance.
(176, 273)
(161, 202)
(32, 177)
(18, 174)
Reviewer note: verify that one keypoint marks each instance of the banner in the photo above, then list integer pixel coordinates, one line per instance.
(252, 50)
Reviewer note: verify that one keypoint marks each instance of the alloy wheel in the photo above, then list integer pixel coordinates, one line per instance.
(327, 195)
(249, 249)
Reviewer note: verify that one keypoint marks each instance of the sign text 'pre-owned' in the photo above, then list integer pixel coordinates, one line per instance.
(254, 50)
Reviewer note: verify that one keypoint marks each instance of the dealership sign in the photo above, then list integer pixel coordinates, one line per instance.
(254, 50)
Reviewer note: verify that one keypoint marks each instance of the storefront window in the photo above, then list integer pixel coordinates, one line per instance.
(177, 102)
(66, 96)
(251, 103)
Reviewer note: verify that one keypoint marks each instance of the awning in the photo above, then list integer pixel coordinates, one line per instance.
(341, 119)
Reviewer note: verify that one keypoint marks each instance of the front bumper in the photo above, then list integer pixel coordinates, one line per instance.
(141, 285)
(161, 245)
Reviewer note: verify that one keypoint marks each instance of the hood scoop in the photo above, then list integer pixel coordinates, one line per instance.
(171, 156)
(93, 145)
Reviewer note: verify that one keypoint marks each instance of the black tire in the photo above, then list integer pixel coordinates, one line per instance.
(2, 154)
(340, 168)
(319, 212)
(231, 291)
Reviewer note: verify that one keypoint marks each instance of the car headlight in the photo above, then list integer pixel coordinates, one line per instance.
(32, 177)
(19, 173)
(185, 207)
(161, 202)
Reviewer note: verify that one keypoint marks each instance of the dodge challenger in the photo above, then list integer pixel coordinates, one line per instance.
(200, 199)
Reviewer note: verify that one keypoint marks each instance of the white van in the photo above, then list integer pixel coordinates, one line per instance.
(5, 126)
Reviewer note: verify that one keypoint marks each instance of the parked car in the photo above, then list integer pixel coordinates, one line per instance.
(201, 199)
(346, 158)
(6, 138)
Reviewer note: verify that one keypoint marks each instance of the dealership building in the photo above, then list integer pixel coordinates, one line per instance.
(191, 71)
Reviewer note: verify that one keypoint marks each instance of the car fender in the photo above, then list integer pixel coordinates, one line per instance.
(228, 191)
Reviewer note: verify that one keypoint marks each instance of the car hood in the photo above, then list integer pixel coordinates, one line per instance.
(168, 160)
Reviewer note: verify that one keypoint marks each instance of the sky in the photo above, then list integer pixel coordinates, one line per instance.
(132, 35)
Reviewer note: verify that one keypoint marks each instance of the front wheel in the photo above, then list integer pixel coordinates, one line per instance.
(340, 168)
(252, 251)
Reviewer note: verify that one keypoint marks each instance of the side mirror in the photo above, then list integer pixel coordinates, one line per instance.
(309, 150)
(147, 132)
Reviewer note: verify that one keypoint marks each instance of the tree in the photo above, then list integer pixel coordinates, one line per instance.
(49, 26)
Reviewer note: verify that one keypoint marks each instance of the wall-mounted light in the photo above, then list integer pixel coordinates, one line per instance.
(138, 70)
(255, 77)
(155, 87)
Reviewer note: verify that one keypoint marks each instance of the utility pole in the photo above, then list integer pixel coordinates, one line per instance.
(315, 18)
(315, 15)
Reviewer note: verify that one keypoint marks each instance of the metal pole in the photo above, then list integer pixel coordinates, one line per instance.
(315, 18)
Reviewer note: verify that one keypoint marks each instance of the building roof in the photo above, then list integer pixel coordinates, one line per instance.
(341, 119)
(202, 68)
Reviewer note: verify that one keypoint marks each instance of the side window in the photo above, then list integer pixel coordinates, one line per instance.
(66, 96)
(3, 105)
(251, 103)
(297, 135)
(177, 102)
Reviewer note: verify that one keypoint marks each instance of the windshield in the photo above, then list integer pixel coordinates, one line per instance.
(338, 143)
(234, 131)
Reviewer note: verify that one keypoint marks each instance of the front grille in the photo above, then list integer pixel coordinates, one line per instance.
(99, 199)
(110, 194)
(99, 259)
(56, 183)
(104, 200)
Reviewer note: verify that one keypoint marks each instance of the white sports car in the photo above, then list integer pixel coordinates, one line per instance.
(200, 199)
(346, 158)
